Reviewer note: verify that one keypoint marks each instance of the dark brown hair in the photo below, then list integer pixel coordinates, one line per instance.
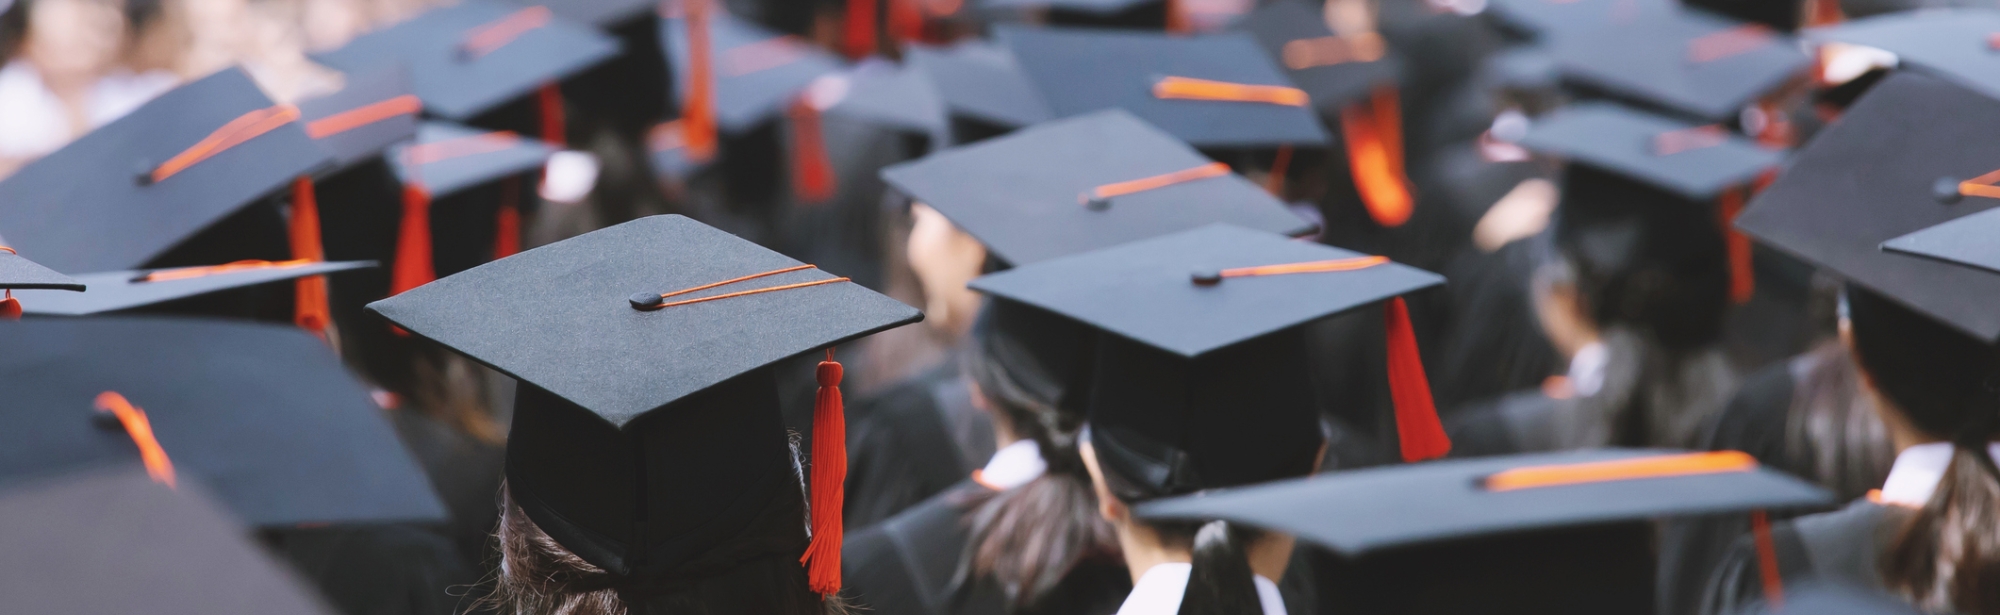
(1946, 556)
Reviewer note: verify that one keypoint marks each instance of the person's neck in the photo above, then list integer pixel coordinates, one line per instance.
(1144, 549)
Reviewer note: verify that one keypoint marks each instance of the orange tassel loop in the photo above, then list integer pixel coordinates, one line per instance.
(1767, 560)
(1742, 270)
(1657, 466)
(1101, 193)
(310, 311)
(812, 169)
(1734, 41)
(698, 117)
(413, 243)
(1189, 88)
(136, 425)
(188, 273)
(857, 36)
(649, 301)
(321, 128)
(10, 308)
(829, 477)
(1373, 133)
(1418, 429)
(238, 131)
(1280, 165)
(1688, 139)
(498, 33)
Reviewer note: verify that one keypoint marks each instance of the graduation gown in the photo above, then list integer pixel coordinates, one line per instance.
(907, 565)
(1841, 547)
(910, 442)
(393, 569)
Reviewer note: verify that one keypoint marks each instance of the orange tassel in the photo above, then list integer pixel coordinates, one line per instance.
(1417, 427)
(829, 478)
(1281, 164)
(136, 425)
(310, 311)
(812, 170)
(1374, 138)
(1767, 560)
(507, 223)
(10, 308)
(413, 243)
(1742, 270)
(906, 21)
(857, 38)
(698, 119)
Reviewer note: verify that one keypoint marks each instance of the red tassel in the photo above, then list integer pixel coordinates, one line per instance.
(829, 478)
(507, 223)
(1280, 165)
(1417, 427)
(698, 118)
(550, 103)
(310, 311)
(10, 308)
(812, 170)
(906, 21)
(1742, 271)
(857, 38)
(1177, 18)
(413, 243)
(1373, 133)
(1767, 560)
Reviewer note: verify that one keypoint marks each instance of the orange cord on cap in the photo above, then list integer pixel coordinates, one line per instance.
(829, 479)
(1373, 134)
(762, 55)
(309, 309)
(812, 167)
(1304, 53)
(699, 113)
(1656, 466)
(321, 128)
(140, 429)
(1213, 169)
(483, 143)
(1767, 560)
(498, 33)
(188, 273)
(1734, 41)
(242, 129)
(664, 296)
(1688, 139)
(1981, 186)
(1326, 266)
(1188, 88)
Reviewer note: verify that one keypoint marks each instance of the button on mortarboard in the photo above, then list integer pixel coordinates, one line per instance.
(1210, 91)
(1695, 162)
(265, 415)
(1689, 63)
(206, 149)
(757, 72)
(468, 58)
(376, 109)
(127, 290)
(1954, 43)
(1872, 177)
(1082, 183)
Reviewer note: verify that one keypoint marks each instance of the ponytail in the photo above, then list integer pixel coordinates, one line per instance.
(1219, 582)
(1947, 556)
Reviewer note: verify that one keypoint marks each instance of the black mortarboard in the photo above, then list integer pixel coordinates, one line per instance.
(620, 398)
(447, 158)
(1906, 156)
(1547, 19)
(473, 56)
(115, 542)
(1955, 43)
(17, 272)
(980, 80)
(599, 13)
(1690, 63)
(1695, 162)
(264, 415)
(124, 290)
(757, 72)
(1966, 241)
(1200, 330)
(899, 97)
(127, 192)
(1359, 511)
(375, 110)
(1333, 70)
(1028, 195)
(1210, 91)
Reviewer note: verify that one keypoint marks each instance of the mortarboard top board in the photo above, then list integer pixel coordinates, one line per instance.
(1333, 70)
(1966, 241)
(1087, 6)
(1874, 176)
(113, 541)
(1689, 62)
(473, 56)
(123, 290)
(882, 93)
(20, 273)
(1361, 511)
(1954, 43)
(264, 415)
(980, 80)
(1019, 194)
(757, 72)
(86, 208)
(376, 109)
(447, 158)
(1695, 162)
(1548, 19)
(598, 13)
(1124, 69)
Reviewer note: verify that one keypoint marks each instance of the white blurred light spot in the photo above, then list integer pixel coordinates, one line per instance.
(569, 176)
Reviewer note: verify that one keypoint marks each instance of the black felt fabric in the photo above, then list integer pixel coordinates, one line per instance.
(457, 85)
(901, 447)
(1869, 178)
(1331, 86)
(1019, 194)
(598, 13)
(457, 173)
(120, 290)
(980, 80)
(266, 416)
(1588, 570)
(83, 208)
(896, 97)
(17, 272)
(1654, 62)
(1624, 140)
(1545, 20)
(112, 541)
(1965, 241)
(1946, 42)
(757, 72)
(360, 143)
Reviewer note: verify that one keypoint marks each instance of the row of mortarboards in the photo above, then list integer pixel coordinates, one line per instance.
(1178, 275)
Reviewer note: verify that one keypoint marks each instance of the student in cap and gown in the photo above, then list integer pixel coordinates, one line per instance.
(1920, 336)
(648, 470)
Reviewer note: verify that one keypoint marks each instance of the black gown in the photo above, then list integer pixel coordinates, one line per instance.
(390, 569)
(907, 565)
(1840, 547)
(912, 441)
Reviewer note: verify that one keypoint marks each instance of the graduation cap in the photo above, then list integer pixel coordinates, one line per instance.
(445, 159)
(979, 80)
(1547, 19)
(1690, 63)
(1083, 183)
(123, 195)
(1199, 327)
(885, 94)
(1901, 159)
(115, 542)
(266, 416)
(737, 76)
(1210, 91)
(125, 290)
(643, 353)
(375, 110)
(17, 272)
(1953, 43)
(473, 56)
(1333, 70)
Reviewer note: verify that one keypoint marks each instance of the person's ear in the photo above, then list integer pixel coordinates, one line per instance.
(1107, 506)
